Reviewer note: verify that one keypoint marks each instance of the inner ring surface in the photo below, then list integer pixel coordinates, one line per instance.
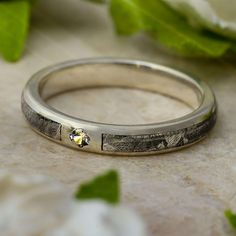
(101, 75)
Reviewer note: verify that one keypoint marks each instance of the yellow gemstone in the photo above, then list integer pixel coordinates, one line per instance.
(78, 140)
(79, 137)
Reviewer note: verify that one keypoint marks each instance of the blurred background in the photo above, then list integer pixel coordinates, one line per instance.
(177, 194)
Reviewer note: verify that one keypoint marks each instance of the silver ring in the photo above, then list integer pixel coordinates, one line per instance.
(118, 139)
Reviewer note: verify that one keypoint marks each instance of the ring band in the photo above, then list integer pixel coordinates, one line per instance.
(118, 139)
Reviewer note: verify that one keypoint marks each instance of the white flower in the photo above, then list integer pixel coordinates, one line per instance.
(36, 205)
(217, 15)
(99, 219)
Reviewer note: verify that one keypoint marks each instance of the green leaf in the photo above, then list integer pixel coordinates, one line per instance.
(231, 218)
(165, 25)
(234, 47)
(104, 187)
(14, 22)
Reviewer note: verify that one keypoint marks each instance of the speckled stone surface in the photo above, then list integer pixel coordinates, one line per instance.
(178, 194)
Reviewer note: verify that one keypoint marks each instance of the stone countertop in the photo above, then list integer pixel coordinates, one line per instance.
(178, 194)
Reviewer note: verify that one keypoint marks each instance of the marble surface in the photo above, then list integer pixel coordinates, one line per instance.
(178, 194)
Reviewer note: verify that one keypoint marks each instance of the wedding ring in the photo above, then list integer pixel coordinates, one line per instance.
(120, 139)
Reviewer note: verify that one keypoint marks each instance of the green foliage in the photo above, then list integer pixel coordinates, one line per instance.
(166, 26)
(234, 48)
(14, 22)
(104, 187)
(163, 23)
(231, 218)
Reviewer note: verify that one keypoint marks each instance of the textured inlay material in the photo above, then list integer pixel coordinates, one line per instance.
(44, 125)
(159, 141)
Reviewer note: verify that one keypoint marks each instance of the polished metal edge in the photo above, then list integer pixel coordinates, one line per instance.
(157, 142)
(44, 125)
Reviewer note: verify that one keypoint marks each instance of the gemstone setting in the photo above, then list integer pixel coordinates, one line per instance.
(79, 137)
